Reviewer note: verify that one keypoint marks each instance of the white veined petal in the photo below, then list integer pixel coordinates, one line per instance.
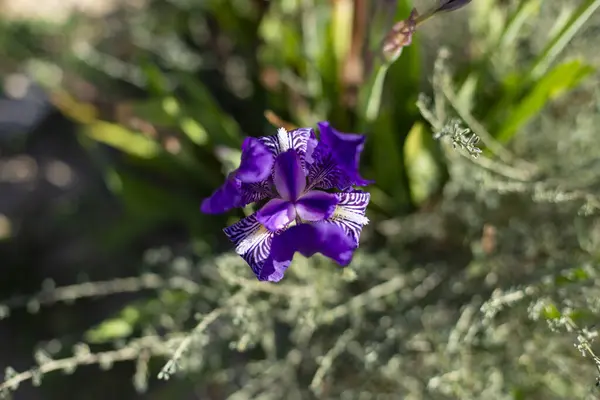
(252, 241)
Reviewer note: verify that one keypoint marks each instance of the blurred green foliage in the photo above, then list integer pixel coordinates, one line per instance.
(199, 77)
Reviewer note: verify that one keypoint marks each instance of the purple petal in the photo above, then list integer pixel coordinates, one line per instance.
(350, 213)
(253, 192)
(286, 140)
(324, 172)
(311, 145)
(276, 214)
(288, 176)
(307, 239)
(257, 162)
(252, 241)
(316, 205)
(345, 149)
(224, 198)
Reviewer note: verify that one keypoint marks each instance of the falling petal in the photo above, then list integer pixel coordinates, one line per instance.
(307, 239)
(350, 213)
(257, 162)
(252, 241)
(223, 199)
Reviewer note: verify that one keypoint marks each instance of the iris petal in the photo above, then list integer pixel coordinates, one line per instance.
(253, 192)
(225, 198)
(311, 146)
(276, 214)
(324, 172)
(283, 141)
(252, 241)
(345, 149)
(316, 206)
(350, 213)
(257, 162)
(307, 239)
(288, 176)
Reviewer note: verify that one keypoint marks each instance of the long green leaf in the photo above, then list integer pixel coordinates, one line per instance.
(557, 44)
(560, 79)
(129, 142)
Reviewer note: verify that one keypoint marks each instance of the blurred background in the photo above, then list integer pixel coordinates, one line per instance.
(476, 279)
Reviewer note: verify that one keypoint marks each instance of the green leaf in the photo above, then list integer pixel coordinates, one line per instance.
(424, 174)
(525, 12)
(109, 330)
(559, 80)
(557, 43)
(149, 205)
(551, 312)
(123, 139)
(200, 106)
(388, 170)
(466, 93)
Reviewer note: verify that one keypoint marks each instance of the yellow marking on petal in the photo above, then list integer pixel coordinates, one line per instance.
(283, 137)
(346, 214)
(258, 235)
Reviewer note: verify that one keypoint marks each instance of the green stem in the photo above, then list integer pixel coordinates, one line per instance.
(374, 101)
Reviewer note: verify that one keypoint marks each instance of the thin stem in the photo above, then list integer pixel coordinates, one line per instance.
(102, 288)
(155, 344)
(171, 366)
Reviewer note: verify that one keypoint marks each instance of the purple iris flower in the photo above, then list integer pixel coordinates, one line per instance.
(292, 170)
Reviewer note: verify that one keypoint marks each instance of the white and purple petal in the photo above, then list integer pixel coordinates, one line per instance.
(306, 239)
(288, 175)
(350, 213)
(316, 205)
(285, 140)
(254, 192)
(252, 242)
(346, 149)
(324, 171)
(311, 146)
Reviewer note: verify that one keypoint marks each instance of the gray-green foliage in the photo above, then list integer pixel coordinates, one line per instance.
(480, 293)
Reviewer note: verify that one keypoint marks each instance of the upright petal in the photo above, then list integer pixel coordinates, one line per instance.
(316, 205)
(350, 213)
(257, 162)
(324, 171)
(276, 214)
(286, 140)
(311, 146)
(288, 176)
(345, 149)
(307, 239)
(228, 196)
(253, 192)
(252, 241)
